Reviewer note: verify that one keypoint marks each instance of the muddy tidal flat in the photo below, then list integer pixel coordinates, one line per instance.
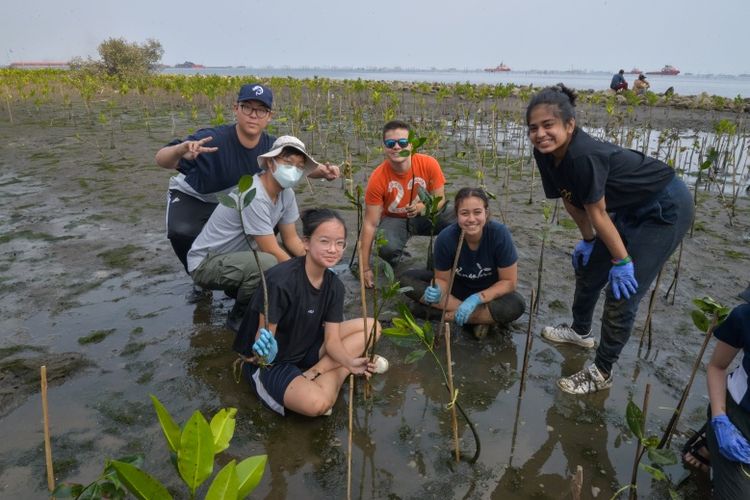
(90, 287)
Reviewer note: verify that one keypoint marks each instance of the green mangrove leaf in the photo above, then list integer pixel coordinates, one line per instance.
(249, 472)
(634, 418)
(429, 334)
(227, 200)
(168, 426)
(415, 356)
(222, 428)
(650, 442)
(247, 198)
(225, 484)
(396, 332)
(388, 272)
(662, 456)
(700, 320)
(404, 153)
(245, 183)
(91, 492)
(139, 483)
(67, 490)
(407, 342)
(195, 458)
(655, 473)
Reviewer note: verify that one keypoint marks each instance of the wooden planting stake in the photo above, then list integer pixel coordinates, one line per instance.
(454, 418)
(452, 277)
(349, 447)
(576, 484)
(47, 443)
(529, 340)
(639, 447)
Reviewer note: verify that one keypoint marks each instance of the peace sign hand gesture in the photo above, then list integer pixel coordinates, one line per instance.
(192, 149)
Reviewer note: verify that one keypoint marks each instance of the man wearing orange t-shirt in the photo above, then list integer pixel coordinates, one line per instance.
(392, 198)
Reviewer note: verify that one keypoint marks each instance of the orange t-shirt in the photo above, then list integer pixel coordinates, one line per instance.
(392, 190)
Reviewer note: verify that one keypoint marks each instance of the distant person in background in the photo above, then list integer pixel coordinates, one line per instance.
(212, 160)
(640, 86)
(632, 212)
(618, 82)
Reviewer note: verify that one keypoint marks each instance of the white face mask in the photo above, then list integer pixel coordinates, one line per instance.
(287, 175)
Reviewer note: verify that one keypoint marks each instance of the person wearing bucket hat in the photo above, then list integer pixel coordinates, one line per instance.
(218, 258)
(640, 86)
(723, 445)
(212, 160)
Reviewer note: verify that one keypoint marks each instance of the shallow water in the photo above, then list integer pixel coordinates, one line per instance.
(82, 252)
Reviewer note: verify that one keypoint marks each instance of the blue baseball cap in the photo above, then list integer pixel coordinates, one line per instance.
(256, 92)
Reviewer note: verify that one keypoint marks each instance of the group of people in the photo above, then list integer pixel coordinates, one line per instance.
(618, 83)
(631, 210)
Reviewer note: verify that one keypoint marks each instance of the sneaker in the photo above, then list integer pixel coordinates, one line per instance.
(480, 331)
(563, 334)
(587, 381)
(381, 364)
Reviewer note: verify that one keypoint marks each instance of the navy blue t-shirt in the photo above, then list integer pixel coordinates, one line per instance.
(592, 169)
(298, 309)
(214, 172)
(476, 269)
(735, 331)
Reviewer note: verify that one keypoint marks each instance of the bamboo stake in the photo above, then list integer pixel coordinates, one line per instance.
(529, 339)
(639, 447)
(47, 443)
(452, 276)
(351, 432)
(576, 484)
(454, 418)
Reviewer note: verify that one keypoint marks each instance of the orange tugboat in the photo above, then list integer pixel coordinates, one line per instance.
(497, 69)
(666, 70)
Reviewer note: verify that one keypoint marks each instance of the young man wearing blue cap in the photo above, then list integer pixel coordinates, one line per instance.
(212, 160)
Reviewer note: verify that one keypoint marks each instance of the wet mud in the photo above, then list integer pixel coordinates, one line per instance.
(91, 288)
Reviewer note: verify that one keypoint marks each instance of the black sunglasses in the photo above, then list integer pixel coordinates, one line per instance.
(391, 143)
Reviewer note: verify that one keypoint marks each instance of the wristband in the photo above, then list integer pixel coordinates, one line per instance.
(622, 261)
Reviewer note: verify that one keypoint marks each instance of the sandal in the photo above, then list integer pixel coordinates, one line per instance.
(695, 453)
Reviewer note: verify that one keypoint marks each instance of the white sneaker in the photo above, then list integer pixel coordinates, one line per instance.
(381, 364)
(587, 381)
(563, 334)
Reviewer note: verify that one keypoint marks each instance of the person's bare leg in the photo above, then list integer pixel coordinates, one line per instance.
(315, 392)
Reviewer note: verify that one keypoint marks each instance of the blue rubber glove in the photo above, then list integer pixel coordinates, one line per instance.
(466, 308)
(582, 253)
(432, 295)
(622, 280)
(732, 444)
(266, 345)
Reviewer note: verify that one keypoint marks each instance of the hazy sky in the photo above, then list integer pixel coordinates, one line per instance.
(695, 36)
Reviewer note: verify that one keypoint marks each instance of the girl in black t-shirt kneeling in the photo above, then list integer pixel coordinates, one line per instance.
(309, 348)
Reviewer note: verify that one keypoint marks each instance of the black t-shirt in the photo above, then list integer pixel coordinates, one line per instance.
(222, 169)
(298, 309)
(592, 169)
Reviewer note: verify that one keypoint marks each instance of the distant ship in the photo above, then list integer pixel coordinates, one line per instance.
(189, 65)
(635, 71)
(666, 70)
(498, 69)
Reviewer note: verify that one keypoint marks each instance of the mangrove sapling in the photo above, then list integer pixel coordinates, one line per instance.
(546, 229)
(244, 196)
(706, 318)
(649, 314)
(358, 202)
(193, 450)
(405, 328)
(527, 351)
(431, 211)
(635, 418)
